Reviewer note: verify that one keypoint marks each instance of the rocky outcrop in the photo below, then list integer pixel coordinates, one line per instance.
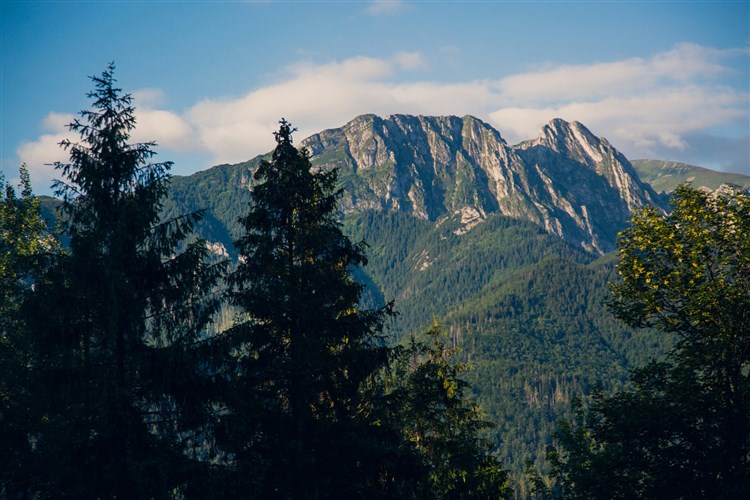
(567, 180)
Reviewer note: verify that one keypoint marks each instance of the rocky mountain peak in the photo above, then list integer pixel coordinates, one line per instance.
(572, 139)
(567, 180)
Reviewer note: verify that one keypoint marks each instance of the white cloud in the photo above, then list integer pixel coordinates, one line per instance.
(385, 7)
(635, 119)
(166, 128)
(41, 153)
(57, 122)
(683, 65)
(324, 96)
(641, 105)
(576, 82)
(150, 97)
(654, 106)
(687, 61)
(644, 106)
(410, 60)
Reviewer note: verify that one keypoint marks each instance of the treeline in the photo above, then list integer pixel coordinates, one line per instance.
(114, 385)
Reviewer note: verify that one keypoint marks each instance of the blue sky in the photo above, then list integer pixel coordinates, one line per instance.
(666, 80)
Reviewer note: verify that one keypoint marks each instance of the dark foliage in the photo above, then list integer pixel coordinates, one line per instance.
(683, 430)
(25, 247)
(297, 423)
(112, 351)
(428, 400)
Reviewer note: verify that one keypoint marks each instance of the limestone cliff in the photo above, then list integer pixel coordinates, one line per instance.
(567, 180)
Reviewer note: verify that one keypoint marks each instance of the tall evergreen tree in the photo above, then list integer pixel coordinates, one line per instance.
(299, 425)
(120, 317)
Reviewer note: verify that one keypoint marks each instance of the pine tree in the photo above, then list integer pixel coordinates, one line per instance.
(298, 424)
(122, 313)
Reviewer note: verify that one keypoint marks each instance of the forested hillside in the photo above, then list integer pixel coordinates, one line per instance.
(527, 310)
(525, 307)
(506, 248)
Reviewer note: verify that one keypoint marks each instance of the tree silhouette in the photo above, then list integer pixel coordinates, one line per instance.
(123, 310)
(304, 349)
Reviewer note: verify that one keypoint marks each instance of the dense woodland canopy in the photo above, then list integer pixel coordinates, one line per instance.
(136, 363)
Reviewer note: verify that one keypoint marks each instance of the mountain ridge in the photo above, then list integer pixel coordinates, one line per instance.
(480, 235)
(565, 180)
(664, 175)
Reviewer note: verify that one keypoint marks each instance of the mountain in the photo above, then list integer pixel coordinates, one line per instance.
(509, 247)
(568, 181)
(505, 245)
(664, 176)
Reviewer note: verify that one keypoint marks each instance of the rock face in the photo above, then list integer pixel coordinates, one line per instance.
(567, 180)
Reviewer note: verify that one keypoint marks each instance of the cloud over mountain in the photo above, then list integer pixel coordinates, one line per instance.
(648, 107)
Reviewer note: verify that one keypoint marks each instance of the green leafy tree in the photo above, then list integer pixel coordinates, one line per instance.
(123, 312)
(297, 422)
(442, 425)
(22, 235)
(24, 247)
(23, 241)
(683, 430)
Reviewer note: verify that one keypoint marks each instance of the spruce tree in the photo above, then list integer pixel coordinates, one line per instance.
(117, 322)
(299, 424)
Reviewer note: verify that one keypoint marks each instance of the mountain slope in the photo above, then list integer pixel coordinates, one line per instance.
(567, 181)
(526, 308)
(664, 176)
(499, 243)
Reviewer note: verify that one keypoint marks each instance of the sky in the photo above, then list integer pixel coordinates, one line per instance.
(665, 80)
